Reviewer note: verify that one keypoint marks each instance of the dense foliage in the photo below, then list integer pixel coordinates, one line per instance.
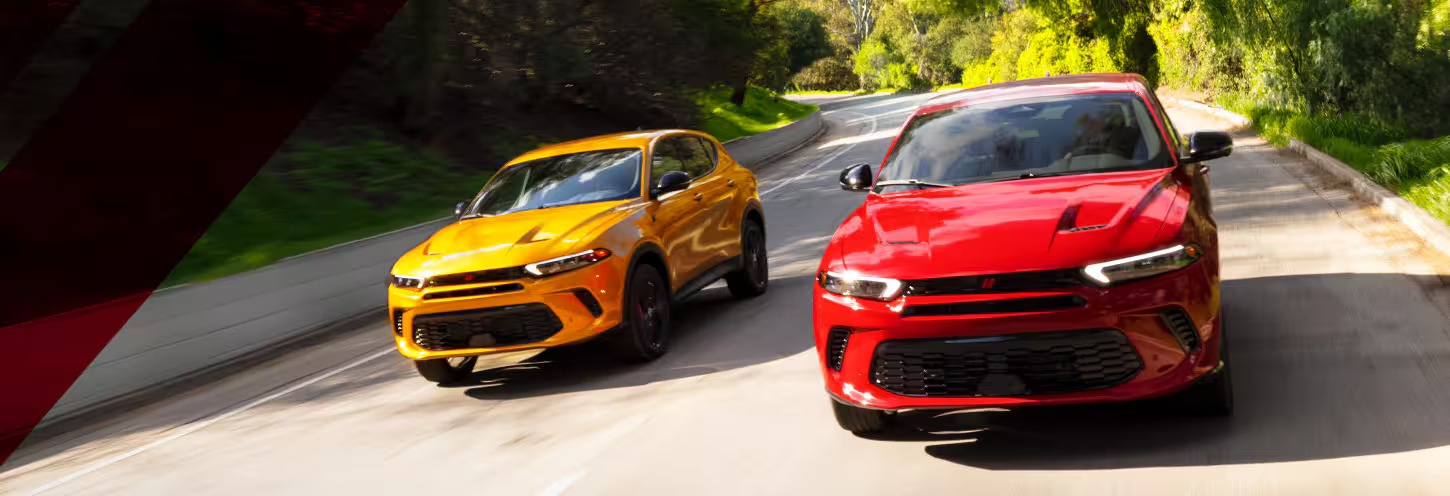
(453, 88)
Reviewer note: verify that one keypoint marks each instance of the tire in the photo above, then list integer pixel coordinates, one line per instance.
(445, 370)
(860, 420)
(754, 275)
(645, 333)
(1214, 395)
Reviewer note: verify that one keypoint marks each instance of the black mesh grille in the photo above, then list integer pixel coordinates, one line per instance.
(1014, 305)
(398, 322)
(1181, 325)
(501, 326)
(485, 290)
(836, 347)
(996, 283)
(589, 301)
(491, 275)
(1006, 365)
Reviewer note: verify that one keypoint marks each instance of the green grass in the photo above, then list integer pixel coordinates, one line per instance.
(315, 195)
(1417, 170)
(762, 112)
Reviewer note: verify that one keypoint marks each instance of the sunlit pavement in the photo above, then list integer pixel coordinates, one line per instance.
(1339, 328)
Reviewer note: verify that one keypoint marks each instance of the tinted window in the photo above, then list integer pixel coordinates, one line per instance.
(596, 176)
(1073, 134)
(684, 153)
(709, 148)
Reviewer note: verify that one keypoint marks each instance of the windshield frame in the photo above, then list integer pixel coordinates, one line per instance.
(637, 190)
(1166, 158)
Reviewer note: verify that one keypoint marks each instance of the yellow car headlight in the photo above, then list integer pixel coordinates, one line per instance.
(566, 263)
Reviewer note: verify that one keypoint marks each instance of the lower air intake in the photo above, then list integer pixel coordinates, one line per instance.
(1006, 365)
(486, 328)
(836, 347)
(1181, 325)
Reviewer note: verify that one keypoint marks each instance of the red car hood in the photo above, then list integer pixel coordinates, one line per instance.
(1028, 224)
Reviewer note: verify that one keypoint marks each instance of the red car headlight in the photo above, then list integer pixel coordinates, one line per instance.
(1143, 266)
(859, 286)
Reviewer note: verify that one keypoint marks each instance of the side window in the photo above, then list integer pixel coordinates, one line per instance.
(1177, 144)
(710, 151)
(666, 158)
(684, 153)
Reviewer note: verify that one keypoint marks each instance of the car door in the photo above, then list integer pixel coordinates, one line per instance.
(715, 192)
(677, 216)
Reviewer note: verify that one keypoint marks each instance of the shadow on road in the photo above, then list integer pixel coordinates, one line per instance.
(713, 332)
(1325, 366)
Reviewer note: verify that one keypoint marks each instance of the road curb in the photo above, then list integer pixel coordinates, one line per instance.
(1427, 227)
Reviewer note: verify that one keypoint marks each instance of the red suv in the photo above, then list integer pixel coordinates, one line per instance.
(1047, 241)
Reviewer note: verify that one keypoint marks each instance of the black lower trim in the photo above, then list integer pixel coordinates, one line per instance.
(1006, 365)
(705, 278)
(486, 327)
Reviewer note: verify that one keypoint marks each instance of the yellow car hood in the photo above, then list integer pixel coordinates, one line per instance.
(512, 239)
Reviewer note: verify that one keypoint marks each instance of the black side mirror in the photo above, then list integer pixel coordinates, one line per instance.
(1208, 145)
(671, 181)
(857, 178)
(458, 209)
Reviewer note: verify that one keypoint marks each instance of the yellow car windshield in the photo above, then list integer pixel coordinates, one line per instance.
(586, 177)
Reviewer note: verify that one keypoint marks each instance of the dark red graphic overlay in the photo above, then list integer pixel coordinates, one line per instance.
(24, 27)
(169, 125)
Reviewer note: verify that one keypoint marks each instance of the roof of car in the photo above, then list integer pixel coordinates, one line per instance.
(632, 139)
(1036, 87)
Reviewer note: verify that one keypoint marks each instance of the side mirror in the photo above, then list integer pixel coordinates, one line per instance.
(856, 178)
(458, 209)
(671, 181)
(1208, 145)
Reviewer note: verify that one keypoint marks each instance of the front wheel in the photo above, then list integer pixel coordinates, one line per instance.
(645, 332)
(860, 420)
(445, 370)
(754, 274)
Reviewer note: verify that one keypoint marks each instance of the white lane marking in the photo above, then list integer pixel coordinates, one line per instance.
(190, 428)
(563, 484)
(823, 162)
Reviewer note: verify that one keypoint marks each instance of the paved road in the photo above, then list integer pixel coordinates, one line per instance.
(1340, 333)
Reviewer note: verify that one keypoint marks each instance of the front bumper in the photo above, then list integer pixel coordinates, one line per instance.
(1135, 311)
(549, 302)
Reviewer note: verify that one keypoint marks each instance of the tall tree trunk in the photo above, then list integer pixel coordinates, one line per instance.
(738, 96)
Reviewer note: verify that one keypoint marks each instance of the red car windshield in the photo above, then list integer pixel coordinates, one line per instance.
(1016, 139)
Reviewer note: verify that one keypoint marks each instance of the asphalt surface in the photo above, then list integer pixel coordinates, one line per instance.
(1339, 327)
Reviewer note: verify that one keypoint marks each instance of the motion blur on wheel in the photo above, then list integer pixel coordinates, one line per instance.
(590, 238)
(1046, 241)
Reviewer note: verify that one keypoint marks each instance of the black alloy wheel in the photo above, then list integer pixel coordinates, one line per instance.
(753, 277)
(646, 329)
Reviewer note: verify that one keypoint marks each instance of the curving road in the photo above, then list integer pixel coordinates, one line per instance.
(1340, 334)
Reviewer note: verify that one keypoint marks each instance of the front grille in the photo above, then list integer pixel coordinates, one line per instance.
(398, 322)
(1006, 365)
(589, 301)
(1181, 325)
(481, 276)
(836, 347)
(485, 290)
(1014, 305)
(996, 283)
(500, 326)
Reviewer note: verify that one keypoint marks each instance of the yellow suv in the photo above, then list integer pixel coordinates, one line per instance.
(579, 239)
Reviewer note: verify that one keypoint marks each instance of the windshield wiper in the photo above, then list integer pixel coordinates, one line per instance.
(912, 182)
